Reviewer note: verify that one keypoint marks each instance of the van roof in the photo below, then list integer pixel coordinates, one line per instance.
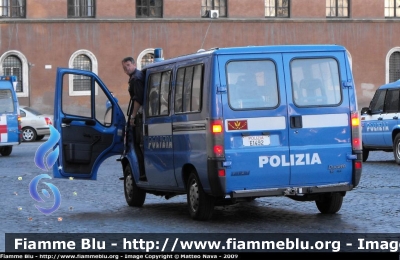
(395, 84)
(252, 50)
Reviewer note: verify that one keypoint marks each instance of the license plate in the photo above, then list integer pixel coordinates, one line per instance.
(258, 140)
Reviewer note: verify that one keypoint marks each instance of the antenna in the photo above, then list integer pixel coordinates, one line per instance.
(205, 36)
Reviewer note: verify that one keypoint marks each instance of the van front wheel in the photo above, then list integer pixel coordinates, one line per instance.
(134, 196)
(200, 204)
(329, 203)
(396, 148)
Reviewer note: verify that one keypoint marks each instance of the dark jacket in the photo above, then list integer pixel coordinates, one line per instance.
(136, 86)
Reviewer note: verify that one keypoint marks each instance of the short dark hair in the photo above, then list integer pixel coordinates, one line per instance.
(129, 59)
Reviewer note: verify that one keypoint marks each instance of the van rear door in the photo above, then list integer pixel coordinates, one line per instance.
(254, 112)
(318, 117)
(9, 132)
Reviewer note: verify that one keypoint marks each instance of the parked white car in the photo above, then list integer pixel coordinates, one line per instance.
(35, 125)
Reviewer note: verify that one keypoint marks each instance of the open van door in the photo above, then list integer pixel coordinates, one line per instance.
(90, 131)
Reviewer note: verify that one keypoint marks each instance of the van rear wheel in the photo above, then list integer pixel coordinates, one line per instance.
(365, 153)
(396, 148)
(329, 203)
(134, 196)
(5, 150)
(200, 204)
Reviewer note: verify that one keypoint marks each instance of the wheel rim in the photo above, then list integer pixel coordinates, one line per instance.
(194, 196)
(27, 134)
(398, 150)
(128, 186)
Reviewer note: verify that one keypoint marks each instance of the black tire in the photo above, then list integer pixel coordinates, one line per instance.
(5, 150)
(134, 196)
(200, 204)
(28, 134)
(365, 154)
(329, 203)
(39, 137)
(396, 149)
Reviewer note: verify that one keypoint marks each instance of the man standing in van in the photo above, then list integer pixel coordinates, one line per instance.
(136, 92)
(136, 88)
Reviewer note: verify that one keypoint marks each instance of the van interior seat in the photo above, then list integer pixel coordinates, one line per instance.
(312, 91)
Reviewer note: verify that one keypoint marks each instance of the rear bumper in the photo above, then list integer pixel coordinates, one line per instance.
(290, 191)
(43, 131)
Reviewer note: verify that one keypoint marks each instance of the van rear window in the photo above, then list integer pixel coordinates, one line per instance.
(315, 82)
(6, 101)
(252, 84)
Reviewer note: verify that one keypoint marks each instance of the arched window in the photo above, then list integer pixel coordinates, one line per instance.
(15, 63)
(144, 58)
(393, 65)
(82, 60)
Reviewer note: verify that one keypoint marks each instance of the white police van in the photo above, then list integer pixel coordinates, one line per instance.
(10, 123)
(224, 125)
(380, 121)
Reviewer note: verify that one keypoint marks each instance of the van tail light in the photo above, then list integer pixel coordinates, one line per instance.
(215, 146)
(356, 143)
(356, 140)
(48, 121)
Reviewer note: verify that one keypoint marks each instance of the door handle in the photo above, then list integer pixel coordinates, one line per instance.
(380, 118)
(395, 117)
(296, 122)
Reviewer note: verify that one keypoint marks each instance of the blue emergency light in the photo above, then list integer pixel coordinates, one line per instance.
(158, 54)
(9, 78)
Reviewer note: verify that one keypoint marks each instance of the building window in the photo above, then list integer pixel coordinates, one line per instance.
(337, 8)
(12, 66)
(15, 63)
(277, 8)
(82, 83)
(149, 8)
(394, 66)
(392, 8)
(83, 60)
(144, 58)
(13, 8)
(81, 8)
(208, 5)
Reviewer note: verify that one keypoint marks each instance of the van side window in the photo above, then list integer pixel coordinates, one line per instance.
(392, 102)
(315, 82)
(188, 89)
(377, 102)
(252, 84)
(158, 94)
(6, 101)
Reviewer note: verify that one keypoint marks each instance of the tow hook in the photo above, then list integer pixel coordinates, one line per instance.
(290, 191)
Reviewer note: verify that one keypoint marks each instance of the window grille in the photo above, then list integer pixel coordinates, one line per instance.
(147, 59)
(149, 8)
(394, 66)
(337, 8)
(12, 66)
(208, 5)
(13, 8)
(81, 8)
(277, 8)
(82, 83)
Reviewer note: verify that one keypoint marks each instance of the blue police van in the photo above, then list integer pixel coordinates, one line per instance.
(380, 121)
(10, 123)
(222, 126)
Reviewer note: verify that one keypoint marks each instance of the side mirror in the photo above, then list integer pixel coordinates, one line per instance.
(365, 110)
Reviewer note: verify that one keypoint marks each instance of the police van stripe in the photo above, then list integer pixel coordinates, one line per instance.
(326, 120)
(261, 123)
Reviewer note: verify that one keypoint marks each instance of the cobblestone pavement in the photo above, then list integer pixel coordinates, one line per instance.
(100, 207)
